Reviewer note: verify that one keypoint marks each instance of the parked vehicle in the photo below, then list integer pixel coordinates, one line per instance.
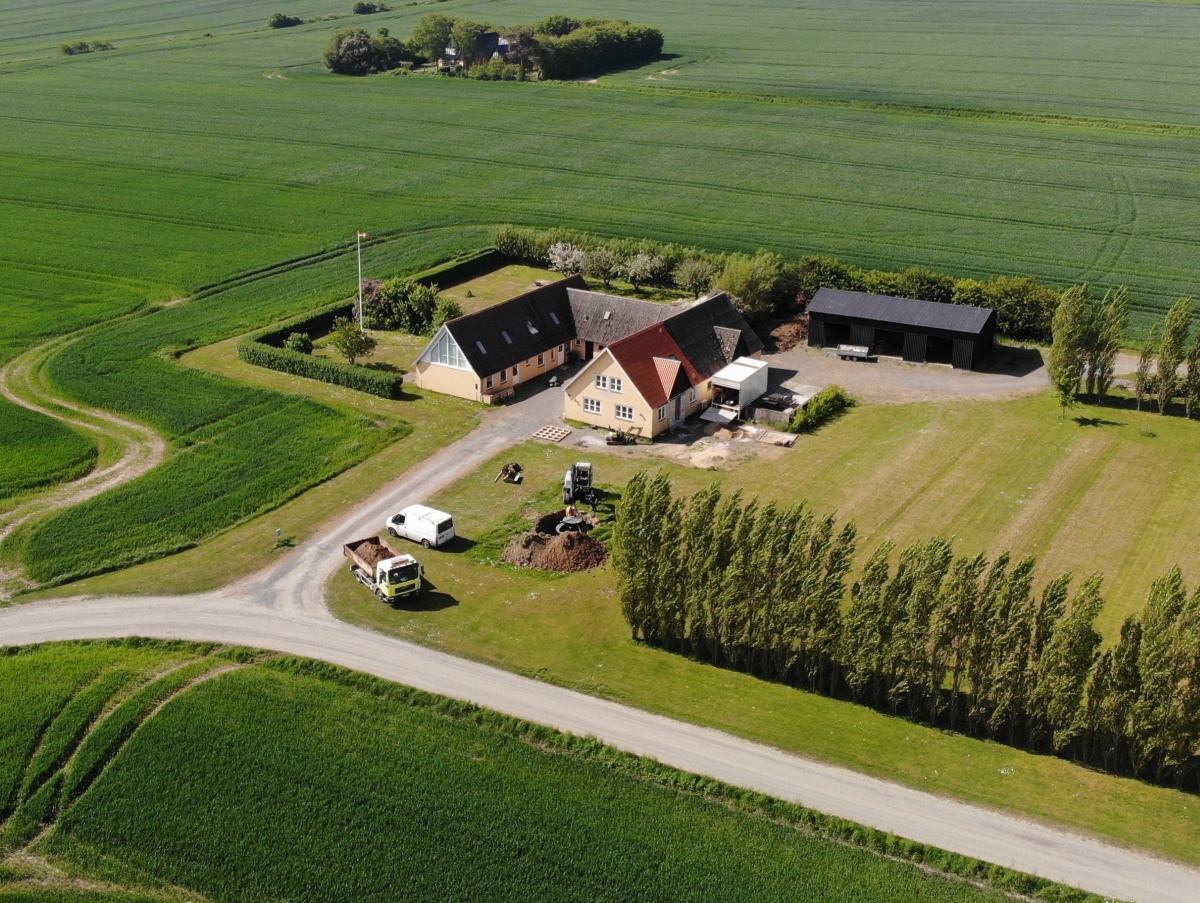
(577, 484)
(854, 353)
(428, 526)
(382, 570)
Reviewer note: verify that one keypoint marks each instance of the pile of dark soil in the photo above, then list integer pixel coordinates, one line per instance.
(789, 334)
(568, 553)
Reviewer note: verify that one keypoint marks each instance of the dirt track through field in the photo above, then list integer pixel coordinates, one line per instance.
(140, 448)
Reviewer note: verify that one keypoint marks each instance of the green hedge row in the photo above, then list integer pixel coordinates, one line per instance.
(264, 349)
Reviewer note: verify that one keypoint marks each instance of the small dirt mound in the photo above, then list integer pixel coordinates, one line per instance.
(569, 553)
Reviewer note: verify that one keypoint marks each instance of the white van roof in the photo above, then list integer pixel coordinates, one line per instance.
(424, 512)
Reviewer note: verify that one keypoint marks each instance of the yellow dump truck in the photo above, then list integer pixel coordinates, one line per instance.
(382, 570)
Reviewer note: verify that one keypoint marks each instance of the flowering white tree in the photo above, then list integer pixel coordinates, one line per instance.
(566, 258)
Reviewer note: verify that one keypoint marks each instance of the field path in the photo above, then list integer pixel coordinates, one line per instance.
(137, 448)
(283, 609)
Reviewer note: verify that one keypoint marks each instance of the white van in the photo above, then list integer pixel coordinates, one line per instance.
(428, 526)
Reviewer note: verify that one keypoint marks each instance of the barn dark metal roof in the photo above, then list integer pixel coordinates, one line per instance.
(605, 319)
(900, 311)
(495, 338)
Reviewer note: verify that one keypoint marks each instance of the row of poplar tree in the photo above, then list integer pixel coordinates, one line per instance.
(967, 643)
(1088, 333)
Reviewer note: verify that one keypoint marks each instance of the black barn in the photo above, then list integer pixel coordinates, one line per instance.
(902, 327)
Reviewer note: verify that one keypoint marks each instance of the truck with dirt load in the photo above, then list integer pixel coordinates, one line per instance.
(383, 570)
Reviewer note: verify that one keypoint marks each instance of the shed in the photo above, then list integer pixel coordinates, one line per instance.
(915, 330)
(735, 387)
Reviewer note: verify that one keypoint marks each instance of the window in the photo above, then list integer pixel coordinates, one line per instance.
(554, 317)
(615, 383)
(492, 382)
(624, 412)
(479, 345)
(591, 406)
(691, 395)
(532, 329)
(541, 360)
(507, 337)
(514, 372)
(504, 375)
(608, 383)
(662, 413)
(447, 352)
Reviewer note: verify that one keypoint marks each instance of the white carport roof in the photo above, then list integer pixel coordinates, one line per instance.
(738, 372)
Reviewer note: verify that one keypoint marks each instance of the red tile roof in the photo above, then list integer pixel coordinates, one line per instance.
(647, 356)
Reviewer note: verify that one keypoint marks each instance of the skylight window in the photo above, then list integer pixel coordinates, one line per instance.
(479, 345)
(607, 314)
(531, 327)
(554, 317)
(507, 337)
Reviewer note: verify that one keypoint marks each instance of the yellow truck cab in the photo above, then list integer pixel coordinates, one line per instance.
(379, 568)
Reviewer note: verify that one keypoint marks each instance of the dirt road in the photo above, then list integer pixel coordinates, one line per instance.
(283, 609)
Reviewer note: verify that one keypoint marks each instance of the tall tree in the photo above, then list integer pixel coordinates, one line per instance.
(1143, 382)
(1171, 351)
(431, 35)
(1066, 364)
(1191, 379)
(1107, 323)
(465, 36)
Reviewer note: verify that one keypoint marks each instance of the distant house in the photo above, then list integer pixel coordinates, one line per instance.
(491, 46)
(647, 365)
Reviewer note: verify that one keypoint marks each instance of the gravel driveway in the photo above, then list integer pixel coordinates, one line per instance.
(1009, 372)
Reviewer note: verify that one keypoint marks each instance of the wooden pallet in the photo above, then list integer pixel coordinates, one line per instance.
(552, 433)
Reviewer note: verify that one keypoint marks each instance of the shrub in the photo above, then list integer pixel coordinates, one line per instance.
(353, 51)
(826, 404)
(603, 264)
(593, 46)
(282, 20)
(299, 342)
(402, 304)
(350, 341)
(447, 309)
(365, 9)
(695, 275)
(497, 70)
(754, 281)
(71, 48)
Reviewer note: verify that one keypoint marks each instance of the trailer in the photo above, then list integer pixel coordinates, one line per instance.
(382, 570)
(854, 353)
(735, 388)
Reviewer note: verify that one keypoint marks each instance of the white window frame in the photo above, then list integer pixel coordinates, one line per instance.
(504, 376)
(662, 413)
(542, 359)
(606, 383)
(692, 395)
(622, 410)
(491, 382)
(446, 352)
(592, 406)
(516, 373)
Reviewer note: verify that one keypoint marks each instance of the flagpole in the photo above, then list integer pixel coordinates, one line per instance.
(358, 232)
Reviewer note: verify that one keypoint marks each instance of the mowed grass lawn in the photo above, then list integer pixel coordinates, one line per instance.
(992, 475)
(280, 780)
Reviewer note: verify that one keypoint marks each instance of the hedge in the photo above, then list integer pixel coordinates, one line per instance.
(265, 349)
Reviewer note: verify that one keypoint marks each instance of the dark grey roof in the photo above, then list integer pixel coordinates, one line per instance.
(900, 311)
(705, 333)
(605, 319)
(497, 337)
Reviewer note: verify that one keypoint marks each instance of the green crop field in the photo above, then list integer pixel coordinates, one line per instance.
(35, 450)
(207, 147)
(268, 779)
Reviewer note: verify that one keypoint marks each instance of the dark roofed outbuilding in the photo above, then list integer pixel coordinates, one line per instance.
(915, 330)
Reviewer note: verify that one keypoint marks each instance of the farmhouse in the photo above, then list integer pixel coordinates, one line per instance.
(491, 46)
(904, 327)
(647, 366)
